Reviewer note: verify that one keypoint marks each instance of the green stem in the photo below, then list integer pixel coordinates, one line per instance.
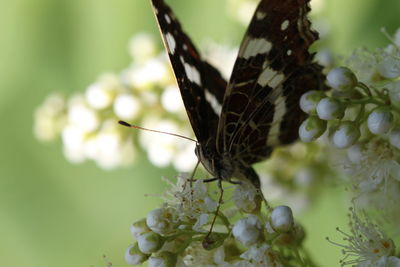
(360, 115)
(365, 88)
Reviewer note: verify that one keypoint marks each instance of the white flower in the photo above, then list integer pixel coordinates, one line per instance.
(324, 57)
(248, 230)
(363, 62)
(142, 47)
(133, 256)
(171, 99)
(144, 75)
(329, 109)
(110, 147)
(355, 153)
(50, 118)
(160, 150)
(149, 242)
(346, 134)
(196, 255)
(162, 220)
(262, 256)
(367, 244)
(246, 197)
(282, 219)
(310, 100)
(377, 163)
(126, 106)
(342, 78)
(385, 261)
(73, 139)
(184, 159)
(100, 94)
(311, 129)
(242, 10)
(389, 66)
(192, 201)
(380, 120)
(81, 115)
(222, 57)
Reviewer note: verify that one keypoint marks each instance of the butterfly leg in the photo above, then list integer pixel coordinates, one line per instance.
(208, 241)
(210, 180)
(191, 179)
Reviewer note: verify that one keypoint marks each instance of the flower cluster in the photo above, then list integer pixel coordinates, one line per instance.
(357, 109)
(244, 232)
(145, 93)
(367, 245)
(361, 114)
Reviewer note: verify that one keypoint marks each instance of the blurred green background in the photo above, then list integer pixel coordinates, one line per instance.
(53, 213)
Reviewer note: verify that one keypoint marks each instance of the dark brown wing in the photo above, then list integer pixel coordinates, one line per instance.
(201, 85)
(273, 69)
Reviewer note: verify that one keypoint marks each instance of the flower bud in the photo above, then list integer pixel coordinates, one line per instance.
(282, 219)
(380, 120)
(346, 134)
(163, 259)
(329, 109)
(161, 221)
(311, 129)
(149, 242)
(248, 230)
(309, 101)
(342, 78)
(394, 137)
(133, 256)
(138, 228)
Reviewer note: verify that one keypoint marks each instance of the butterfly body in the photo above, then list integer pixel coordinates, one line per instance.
(238, 122)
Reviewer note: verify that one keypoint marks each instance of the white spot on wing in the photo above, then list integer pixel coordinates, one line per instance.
(284, 25)
(191, 72)
(167, 18)
(170, 42)
(270, 77)
(276, 80)
(253, 47)
(260, 15)
(289, 52)
(279, 113)
(215, 105)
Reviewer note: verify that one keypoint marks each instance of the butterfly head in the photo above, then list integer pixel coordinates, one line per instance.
(213, 162)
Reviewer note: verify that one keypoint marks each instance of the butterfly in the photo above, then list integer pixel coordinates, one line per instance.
(238, 122)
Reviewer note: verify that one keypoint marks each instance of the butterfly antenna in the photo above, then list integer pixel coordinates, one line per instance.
(124, 123)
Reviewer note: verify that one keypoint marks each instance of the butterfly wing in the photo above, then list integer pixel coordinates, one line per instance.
(201, 85)
(272, 71)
